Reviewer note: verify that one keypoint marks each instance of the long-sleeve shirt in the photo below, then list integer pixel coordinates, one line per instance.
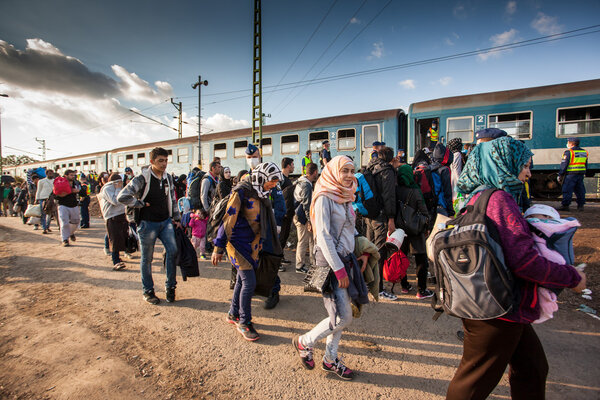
(109, 205)
(44, 189)
(303, 194)
(208, 190)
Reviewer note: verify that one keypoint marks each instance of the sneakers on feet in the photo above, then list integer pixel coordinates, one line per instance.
(424, 294)
(272, 301)
(232, 319)
(407, 289)
(203, 257)
(45, 232)
(119, 266)
(107, 252)
(388, 296)
(151, 298)
(73, 238)
(281, 268)
(284, 261)
(338, 368)
(65, 243)
(305, 353)
(248, 331)
(170, 294)
(302, 270)
(49, 230)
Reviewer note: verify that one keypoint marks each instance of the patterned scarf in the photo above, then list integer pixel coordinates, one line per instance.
(496, 164)
(455, 145)
(265, 172)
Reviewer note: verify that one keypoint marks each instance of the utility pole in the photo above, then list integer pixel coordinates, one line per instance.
(43, 148)
(1, 163)
(257, 114)
(198, 85)
(178, 108)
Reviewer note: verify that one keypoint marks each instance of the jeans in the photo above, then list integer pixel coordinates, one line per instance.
(85, 212)
(325, 328)
(115, 257)
(69, 221)
(148, 232)
(241, 302)
(44, 218)
(106, 242)
(573, 182)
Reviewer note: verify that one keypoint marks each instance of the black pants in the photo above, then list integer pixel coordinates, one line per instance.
(377, 234)
(422, 267)
(489, 347)
(286, 225)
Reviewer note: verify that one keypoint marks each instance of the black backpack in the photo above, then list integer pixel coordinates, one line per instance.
(217, 212)
(472, 280)
(368, 202)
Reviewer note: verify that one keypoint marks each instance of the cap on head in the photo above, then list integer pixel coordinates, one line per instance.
(376, 143)
(382, 144)
(575, 140)
(324, 142)
(493, 133)
(251, 149)
(128, 169)
(542, 209)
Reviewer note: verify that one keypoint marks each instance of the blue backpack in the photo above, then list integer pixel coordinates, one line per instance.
(367, 203)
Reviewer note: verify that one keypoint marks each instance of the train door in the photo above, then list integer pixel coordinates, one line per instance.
(421, 128)
(370, 134)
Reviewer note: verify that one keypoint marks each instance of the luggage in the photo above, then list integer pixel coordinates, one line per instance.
(33, 210)
(368, 203)
(62, 187)
(266, 273)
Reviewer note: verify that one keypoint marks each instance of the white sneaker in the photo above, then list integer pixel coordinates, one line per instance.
(128, 255)
(107, 252)
(388, 296)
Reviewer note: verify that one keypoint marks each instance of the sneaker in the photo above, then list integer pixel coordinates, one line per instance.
(232, 319)
(119, 266)
(338, 368)
(407, 289)
(45, 232)
(424, 294)
(248, 331)
(107, 252)
(65, 243)
(49, 230)
(35, 228)
(73, 238)
(281, 268)
(302, 270)
(272, 301)
(284, 261)
(305, 353)
(203, 257)
(170, 294)
(129, 256)
(151, 298)
(388, 296)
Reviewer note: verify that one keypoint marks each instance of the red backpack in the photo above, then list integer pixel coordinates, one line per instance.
(62, 187)
(395, 267)
(423, 178)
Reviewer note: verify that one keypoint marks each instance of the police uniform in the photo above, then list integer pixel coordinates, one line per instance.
(433, 137)
(572, 171)
(305, 161)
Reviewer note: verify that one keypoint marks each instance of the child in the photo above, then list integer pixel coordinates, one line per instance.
(553, 239)
(198, 222)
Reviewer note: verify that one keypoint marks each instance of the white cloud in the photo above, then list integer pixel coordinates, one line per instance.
(407, 84)
(451, 41)
(511, 7)
(43, 47)
(459, 11)
(377, 51)
(135, 88)
(221, 122)
(546, 25)
(499, 39)
(355, 21)
(445, 81)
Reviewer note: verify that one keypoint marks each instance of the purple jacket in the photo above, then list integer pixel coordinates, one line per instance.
(521, 257)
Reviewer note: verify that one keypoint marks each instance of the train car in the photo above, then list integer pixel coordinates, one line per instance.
(543, 117)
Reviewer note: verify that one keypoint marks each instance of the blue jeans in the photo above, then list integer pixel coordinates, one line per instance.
(148, 232)
(44, 218)
(85, 212)
(573, 182)
(241, 302)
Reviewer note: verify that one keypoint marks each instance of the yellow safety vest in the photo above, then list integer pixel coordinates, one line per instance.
(433, 135)
(307, 160)
(577, 161)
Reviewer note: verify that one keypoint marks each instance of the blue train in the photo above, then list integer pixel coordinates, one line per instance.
(544, 117)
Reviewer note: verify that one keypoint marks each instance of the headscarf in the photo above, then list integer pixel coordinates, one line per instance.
(420, 158)
(330, 184)
(263, 173)
(406, 177)
(496, 164)
(455, 145)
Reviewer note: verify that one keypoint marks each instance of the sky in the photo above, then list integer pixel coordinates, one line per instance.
(74, 69)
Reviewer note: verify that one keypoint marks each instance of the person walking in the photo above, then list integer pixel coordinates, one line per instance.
(84, 202)
(209, 185)
(491, 345)
(303, 197)
(245, 225)
(68, 210)
(333, 220)
(113, 213)
(43, 192)
(152, 195)
(287, 189)
(571, 173)
(22, 199)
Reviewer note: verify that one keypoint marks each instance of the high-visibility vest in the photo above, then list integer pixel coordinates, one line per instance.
(433, 135)
(306, 160)
(577, 160)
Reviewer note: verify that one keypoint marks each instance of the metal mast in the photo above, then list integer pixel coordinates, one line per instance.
(257, 114)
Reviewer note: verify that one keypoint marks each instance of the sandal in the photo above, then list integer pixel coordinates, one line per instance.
(119, 266)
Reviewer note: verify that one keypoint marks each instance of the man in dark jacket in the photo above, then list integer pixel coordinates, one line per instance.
(287, 168)
(385, 189)
(194, 182)
(442, 181)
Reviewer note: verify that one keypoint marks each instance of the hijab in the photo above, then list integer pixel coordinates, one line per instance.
(406, 177)
(455, 145)
(420, 158)
(265, 172)
(497, 164)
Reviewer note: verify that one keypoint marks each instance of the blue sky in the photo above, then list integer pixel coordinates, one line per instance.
(73, 68)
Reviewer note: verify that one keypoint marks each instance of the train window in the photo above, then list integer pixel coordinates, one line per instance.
(121, 162)
(129, 160)
(182, 155)
(346, 139)
(267, 147)
(220, 150)
(460, 127)
(78, 164)
(64, 165)
(239, 148)
(170, 157)
(141, 158)
(86, 166)
(290, 144)
(93, 162)
(370, 135)
(316, 138)
(517, 125)
(579, 121)
(70, 164)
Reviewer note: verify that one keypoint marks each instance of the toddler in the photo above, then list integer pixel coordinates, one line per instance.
(198, 222)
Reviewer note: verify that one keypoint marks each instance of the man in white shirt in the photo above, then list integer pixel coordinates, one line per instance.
(44, 190)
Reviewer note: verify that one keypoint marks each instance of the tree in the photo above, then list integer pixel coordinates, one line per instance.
(12, 160)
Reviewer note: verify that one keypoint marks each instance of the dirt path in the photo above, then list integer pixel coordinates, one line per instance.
(71, 328)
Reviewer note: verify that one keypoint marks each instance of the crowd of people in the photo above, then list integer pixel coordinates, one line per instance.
(336, 240)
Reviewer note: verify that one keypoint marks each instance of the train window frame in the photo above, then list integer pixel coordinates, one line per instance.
(85, 166)
(471, 137)
(315, 144)
(170, 155)
(224, 144)
(516, 112)
(558, 122)
(142, 158)
(270, 145)
(120, 161)
(183, 155)
(240, 151)
(286, 136)
(338, 139)
(367, 145)
(129, 160)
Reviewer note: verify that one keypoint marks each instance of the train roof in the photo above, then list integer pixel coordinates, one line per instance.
(581, 88)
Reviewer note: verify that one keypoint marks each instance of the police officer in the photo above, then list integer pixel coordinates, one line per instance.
(433, 134)
(571, 174)
(325, 154)
(307, 159)
(376, 146)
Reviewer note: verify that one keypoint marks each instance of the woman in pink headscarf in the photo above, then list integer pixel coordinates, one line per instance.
(332, 219)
